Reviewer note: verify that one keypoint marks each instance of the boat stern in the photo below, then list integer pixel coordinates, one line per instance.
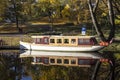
(97, 48)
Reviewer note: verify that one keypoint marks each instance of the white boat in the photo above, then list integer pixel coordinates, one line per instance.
(62, 43)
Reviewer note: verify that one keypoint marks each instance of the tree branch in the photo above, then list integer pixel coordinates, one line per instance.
(104, 3)
(96, 5)
(112, 22)
(116, 6)
(95, 22)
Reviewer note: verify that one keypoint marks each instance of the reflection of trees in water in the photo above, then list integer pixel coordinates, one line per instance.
(8, 67)
(108, 70)
(105, 71)
(41, 72)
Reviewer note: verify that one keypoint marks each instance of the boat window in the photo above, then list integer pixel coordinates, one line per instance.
(38, 59)
(73, 41)
(87, 41)
(66, 61)
(59, 41)
(66, 41)
(59, 61)
(52, 60)
(83, 62)
(52, 40)
(45, 40)
(38, 40)
(34, 59)
(46, 60)
(73, 61)
(80, 41)
(80, 62)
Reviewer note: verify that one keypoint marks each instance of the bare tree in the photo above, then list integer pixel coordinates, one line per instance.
(112, 20)
(93, 9)
(94, 19)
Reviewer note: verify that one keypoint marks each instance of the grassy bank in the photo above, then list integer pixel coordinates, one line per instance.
(67, 28)
(14, 41)
(36, 28)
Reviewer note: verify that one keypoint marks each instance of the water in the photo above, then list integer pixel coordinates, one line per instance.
(41, 65)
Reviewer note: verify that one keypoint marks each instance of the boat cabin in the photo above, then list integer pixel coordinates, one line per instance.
(65, 40)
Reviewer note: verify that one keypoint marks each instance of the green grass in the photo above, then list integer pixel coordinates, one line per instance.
(39, 27)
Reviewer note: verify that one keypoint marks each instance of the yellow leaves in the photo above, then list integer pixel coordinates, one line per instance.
(67, 6)
(66, 11)
(117, 21)
(104, 14)
(52, 1)
(42, 0)
(39, 1)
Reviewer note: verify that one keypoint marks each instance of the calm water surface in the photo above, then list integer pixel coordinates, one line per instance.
(36, 65)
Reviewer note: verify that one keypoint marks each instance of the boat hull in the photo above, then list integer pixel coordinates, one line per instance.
(31, 46)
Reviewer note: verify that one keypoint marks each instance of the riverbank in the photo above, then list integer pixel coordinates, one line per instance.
(67, 28)
(12, 42)
(11, 37)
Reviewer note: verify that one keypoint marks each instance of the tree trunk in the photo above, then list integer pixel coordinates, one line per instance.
(95, 72)
(112, 22)
(16, 16)
(95, 22)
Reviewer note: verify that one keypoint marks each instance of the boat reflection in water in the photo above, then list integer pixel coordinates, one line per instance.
(62, 58)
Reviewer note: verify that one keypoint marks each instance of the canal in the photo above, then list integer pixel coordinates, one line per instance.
(37, 65)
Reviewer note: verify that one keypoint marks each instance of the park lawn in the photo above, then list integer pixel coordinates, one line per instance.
(66, 28)
(34, 27)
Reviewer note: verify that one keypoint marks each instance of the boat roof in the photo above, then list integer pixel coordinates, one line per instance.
(54, 36)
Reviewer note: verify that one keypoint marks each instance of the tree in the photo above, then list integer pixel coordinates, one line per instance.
(12, 12)
(116, 5)
(93, 5)
(3, 8)
(16, 14)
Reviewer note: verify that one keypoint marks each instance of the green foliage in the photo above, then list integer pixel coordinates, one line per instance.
(58, 73)
(74, 10)
(6, 71)
(117, 55)
(3, 7)
(117, 20)
(66, 11)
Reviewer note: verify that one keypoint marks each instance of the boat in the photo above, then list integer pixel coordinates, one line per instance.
(62, 58)
(62, 43)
